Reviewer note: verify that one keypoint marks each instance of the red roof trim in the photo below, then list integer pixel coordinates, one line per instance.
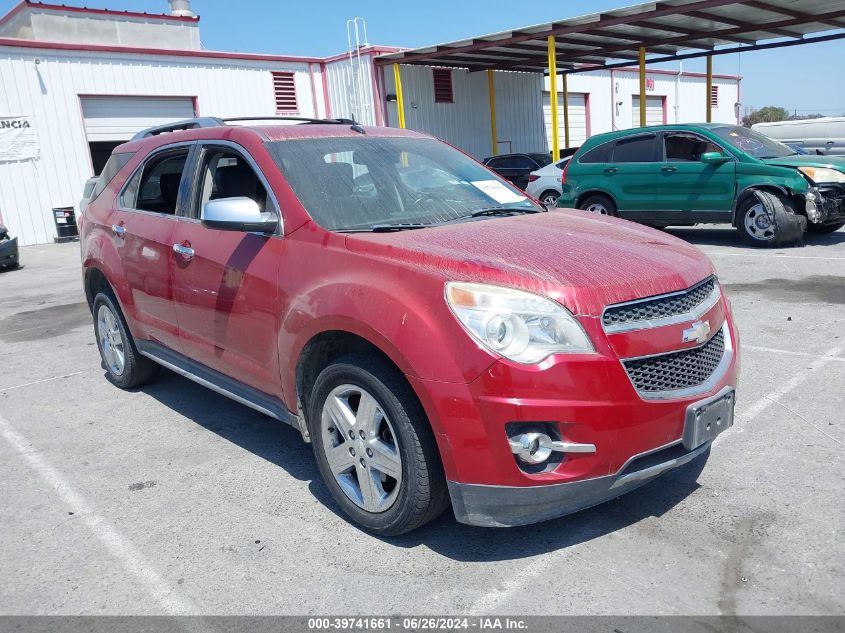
(97, 48)
(124, 14)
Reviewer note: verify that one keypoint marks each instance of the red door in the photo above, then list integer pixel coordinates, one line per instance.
(142, 231)
(224, 282)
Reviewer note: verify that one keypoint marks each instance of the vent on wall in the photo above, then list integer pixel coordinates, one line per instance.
(284, 91)
(442, 85)
(714, 96)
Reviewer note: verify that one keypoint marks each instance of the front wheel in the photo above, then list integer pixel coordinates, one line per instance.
(766, 219)
(374, 447)
(823, 229)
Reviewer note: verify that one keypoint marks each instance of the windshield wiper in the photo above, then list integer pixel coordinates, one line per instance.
(499, 211)
(384, 228)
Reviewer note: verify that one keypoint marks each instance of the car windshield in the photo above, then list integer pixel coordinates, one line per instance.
(752, 142)
(366, 182)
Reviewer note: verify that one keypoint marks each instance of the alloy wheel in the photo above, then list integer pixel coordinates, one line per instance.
(111, 341)
(361, 448)
(550, 200)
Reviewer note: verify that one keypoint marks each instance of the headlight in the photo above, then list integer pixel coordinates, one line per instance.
(519, 325)
(822, 174)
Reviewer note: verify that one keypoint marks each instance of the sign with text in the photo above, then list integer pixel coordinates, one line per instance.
(18, 140)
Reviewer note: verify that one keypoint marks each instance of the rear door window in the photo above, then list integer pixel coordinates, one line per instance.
(638, 149)
(600, 154)
(155, 188)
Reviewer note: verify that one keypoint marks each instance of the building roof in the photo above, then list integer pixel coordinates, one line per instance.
(46, 6)
(666, 28)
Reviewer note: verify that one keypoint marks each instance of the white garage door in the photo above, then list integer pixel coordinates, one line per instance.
(577, 117)
(653, 111)
(118, 118)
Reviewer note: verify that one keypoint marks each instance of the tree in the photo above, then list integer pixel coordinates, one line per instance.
(769, 114)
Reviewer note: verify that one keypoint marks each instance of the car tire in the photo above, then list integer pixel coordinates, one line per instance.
(549, 198)
(124, 365)
(598, 203)
(753, 222)
(823, 229)
(384, 471)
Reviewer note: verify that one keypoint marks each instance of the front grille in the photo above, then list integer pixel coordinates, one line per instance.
(677, 370)
(660, 307)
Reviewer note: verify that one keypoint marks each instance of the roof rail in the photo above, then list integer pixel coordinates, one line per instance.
(291, 118)
(184, 124)
(204, 122)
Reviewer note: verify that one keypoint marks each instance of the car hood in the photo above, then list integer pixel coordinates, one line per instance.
(809, 160)
(582, 260)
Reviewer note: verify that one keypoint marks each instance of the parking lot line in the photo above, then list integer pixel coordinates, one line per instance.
(773, 397)
(38, 382)
(770, 256)
(788, 352)
(119, 546)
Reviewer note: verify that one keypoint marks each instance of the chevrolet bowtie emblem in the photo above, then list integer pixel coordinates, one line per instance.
(698, 332)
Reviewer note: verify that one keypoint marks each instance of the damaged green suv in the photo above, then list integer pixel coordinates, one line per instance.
(673, 175)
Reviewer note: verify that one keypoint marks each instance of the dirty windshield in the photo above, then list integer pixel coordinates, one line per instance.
(753, 143)
(369, 183)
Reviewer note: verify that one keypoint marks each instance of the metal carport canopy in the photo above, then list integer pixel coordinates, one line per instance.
(666, 28)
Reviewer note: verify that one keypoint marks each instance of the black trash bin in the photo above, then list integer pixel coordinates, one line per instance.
(65, 220)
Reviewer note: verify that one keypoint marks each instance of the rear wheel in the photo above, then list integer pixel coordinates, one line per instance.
(124, 366)
(549, 198)
(822, 229)
(374, 447)
(598, 203)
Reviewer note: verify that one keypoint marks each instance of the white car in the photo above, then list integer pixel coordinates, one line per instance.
(544, 183)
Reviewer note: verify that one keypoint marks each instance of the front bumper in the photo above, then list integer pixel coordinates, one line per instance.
(9, 253)
(508, 506)
(825, 204)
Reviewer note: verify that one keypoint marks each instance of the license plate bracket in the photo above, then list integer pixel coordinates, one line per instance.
(705, 419)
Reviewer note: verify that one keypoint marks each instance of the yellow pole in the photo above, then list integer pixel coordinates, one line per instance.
(552, 51)
(709, 88)
(491, 91)
(565, 112)
(642, 87)
(400, 103)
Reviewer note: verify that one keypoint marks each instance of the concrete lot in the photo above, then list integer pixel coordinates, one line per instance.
(172, 499)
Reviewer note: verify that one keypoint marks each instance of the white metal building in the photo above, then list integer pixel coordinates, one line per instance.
(76, 82)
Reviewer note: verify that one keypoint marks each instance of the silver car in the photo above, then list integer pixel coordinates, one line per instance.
(544, 183)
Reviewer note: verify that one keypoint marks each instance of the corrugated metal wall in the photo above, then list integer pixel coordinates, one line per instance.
(49, 91)
(344, 100)
(466, 122)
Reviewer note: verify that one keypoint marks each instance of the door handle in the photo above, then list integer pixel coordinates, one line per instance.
(185, 251)
(610, 170)
(669, 169)
(118, 230)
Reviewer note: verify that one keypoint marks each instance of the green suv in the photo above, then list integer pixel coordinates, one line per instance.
(709, 172)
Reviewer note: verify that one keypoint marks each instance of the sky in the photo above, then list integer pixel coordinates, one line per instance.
(803, 79)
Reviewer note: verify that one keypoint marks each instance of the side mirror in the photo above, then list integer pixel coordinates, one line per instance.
(237, 214)
(714, 157)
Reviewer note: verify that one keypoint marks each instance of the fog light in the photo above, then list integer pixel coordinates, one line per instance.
(531, 448)
(811, 207)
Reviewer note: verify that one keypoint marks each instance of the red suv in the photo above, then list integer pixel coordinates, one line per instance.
(434, 333)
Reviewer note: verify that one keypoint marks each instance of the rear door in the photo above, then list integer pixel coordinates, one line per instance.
(225, 287)
(142, 230)
(631, 174)
(692, 188)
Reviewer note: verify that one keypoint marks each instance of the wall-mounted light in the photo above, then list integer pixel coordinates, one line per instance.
(391, 97)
